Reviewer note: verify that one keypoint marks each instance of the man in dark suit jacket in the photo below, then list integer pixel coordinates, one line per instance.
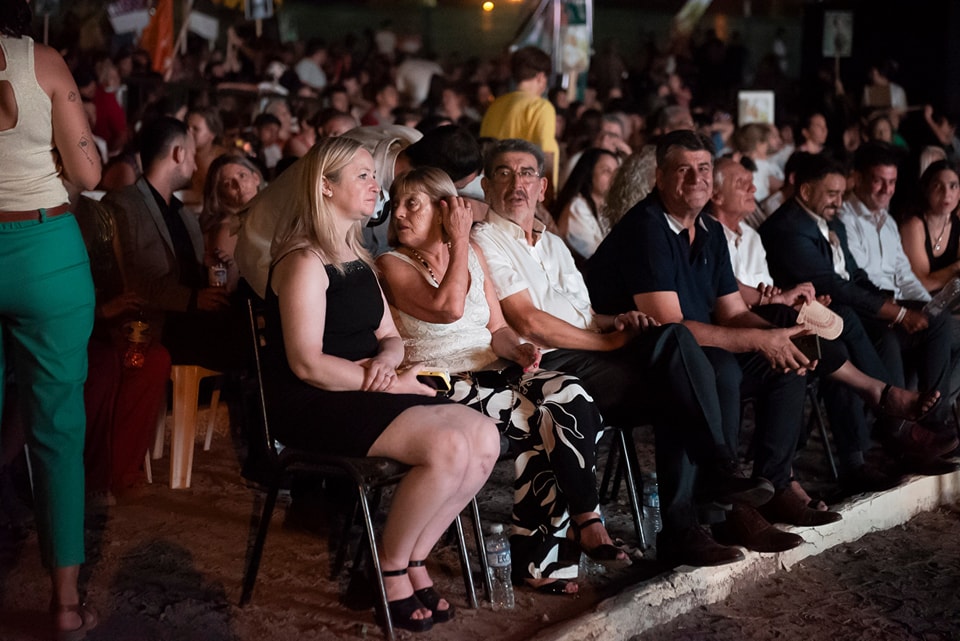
(163, 250)
(806, 242)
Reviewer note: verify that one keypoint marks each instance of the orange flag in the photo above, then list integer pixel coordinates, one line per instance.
(157, 38)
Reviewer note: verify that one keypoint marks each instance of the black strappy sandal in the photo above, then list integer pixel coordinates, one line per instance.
(430, 598)
(402, 610)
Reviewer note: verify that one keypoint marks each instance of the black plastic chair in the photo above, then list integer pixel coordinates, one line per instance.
(369, 474)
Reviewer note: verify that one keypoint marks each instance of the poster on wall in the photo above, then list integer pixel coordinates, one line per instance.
(754, 106)
(837, 34)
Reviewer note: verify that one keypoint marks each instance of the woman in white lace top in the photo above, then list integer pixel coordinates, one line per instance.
(449, 317)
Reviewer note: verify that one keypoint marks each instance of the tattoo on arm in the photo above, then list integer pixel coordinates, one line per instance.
(84, 146)
(72, 96)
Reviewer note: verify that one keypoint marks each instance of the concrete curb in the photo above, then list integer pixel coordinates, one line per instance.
(663, 598)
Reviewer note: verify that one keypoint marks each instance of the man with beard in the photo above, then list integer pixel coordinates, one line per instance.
(162, 249)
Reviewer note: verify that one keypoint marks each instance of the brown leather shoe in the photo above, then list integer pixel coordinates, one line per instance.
(693, 546)
(787, 507)
(916, 441)
(746, 526)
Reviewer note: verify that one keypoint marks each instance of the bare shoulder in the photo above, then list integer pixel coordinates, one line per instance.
(300, 268)
(52, 72)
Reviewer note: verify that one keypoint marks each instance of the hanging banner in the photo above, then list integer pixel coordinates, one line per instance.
(157, 38)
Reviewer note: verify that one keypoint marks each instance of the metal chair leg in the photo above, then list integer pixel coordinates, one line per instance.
(481, 549)
(821, 424)
(631, 467)
(377, 570)
(465, 564)
(253, 567)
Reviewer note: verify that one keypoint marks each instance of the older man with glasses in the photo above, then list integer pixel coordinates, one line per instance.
(636, 370)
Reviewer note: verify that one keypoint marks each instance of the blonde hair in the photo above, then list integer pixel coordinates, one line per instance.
(433, 182)
(312, 224)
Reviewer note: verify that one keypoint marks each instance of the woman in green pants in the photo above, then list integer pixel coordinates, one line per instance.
(46, 292)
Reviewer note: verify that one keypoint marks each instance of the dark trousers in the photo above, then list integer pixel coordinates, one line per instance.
(778, 406)
(662, 377)
(926, 354)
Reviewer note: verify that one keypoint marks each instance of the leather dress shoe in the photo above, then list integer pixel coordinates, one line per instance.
(735, 489)
(867, 478)
(746, 526)
(913, 440)
(693, 546)
(787, 507)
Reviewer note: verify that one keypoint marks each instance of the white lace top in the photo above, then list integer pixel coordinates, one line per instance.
(461, 346)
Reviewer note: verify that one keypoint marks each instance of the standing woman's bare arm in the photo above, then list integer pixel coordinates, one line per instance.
(72, 138)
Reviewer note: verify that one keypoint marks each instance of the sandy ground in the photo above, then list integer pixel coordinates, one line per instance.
(167, 565)
(900, 584)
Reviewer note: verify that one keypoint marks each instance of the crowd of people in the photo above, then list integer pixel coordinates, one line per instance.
(633, 257)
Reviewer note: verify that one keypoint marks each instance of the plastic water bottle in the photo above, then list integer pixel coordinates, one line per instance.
(946, 299)
(651, 507)
(498, 558)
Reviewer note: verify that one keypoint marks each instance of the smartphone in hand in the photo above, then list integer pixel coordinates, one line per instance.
(436, 379)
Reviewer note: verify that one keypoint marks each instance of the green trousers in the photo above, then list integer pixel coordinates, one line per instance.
(46, 313)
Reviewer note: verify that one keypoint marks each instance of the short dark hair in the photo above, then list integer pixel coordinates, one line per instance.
(265, 119)
(527, 62)
(157, 138)
(15, 18)
(450, 148)
(682, 139)
(874, 154)
(816, 167)
(509, 145)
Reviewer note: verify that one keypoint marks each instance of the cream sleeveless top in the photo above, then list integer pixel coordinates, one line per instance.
(461, 346)
(28, 176)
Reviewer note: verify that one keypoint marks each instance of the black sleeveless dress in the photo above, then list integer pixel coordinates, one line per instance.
(342, 423)
(949, 256)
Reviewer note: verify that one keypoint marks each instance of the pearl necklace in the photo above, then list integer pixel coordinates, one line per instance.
(424, 262)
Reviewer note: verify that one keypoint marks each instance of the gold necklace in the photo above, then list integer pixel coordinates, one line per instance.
(424, 262)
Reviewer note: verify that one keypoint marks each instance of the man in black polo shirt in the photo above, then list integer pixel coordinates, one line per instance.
(668, 260)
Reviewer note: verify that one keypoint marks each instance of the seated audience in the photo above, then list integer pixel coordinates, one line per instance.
(635, 370)
(337, 359)
(845, 386)
(449, 317)
(668, 260)
(163, 255)
(805, 242)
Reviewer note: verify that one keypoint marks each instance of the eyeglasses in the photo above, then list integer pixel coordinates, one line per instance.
(504, 175)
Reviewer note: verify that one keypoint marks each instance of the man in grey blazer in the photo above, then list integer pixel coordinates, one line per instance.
(163, 250)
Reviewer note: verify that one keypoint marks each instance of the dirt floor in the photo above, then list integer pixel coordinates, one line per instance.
(167, 565)
(900, 584)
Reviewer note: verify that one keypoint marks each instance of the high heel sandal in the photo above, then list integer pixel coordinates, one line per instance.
(88, 621)
(402, 610)
(430, 598)
(604, 551)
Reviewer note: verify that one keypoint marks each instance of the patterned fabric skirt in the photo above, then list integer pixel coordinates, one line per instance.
(553, 427)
